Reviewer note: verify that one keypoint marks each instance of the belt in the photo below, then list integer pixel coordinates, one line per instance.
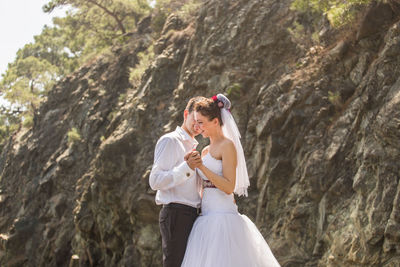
(208, 184)
(183, 207)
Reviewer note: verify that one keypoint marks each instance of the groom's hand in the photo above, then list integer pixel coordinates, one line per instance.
(193, 159)
(186, 157)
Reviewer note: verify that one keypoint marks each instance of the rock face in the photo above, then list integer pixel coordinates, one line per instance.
(320, 128)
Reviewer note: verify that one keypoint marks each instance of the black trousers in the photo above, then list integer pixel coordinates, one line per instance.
(176, 222)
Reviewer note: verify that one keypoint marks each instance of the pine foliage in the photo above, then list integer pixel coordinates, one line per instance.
(89, 28)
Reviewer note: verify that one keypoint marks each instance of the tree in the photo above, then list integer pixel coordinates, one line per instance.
(89, 27)
(27, 81)
(9, 121)
(121, 12)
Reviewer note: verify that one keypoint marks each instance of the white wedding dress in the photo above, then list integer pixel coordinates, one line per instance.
(221, 237)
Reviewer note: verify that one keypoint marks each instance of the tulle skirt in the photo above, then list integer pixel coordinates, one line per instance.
(222, 237)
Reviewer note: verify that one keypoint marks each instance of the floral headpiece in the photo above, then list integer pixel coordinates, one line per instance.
(222, 101)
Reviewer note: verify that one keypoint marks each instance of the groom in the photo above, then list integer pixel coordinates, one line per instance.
(173, 176)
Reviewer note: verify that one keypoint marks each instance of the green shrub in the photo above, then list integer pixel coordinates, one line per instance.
(335, 99)
(112, 115)
(122, 97)
(158, 21)
(27, 121)
(73, 136)
(145, 59)
(339, 13)
(185, 9)
(7, 129)
(4, 133)
(315, 37)
(234, 90)
(189, 9)
(297, 31)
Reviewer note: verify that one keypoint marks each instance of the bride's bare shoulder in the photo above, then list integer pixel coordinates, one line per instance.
(227, 144)
(228, 151)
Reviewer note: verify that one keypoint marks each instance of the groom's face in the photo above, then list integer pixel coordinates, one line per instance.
(191, 123)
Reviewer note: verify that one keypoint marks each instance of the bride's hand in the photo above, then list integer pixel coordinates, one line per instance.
(191, 153)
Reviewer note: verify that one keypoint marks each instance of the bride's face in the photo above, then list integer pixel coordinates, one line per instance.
(206, 126)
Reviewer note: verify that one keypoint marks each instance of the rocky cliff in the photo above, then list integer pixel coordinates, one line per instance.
(320, 128)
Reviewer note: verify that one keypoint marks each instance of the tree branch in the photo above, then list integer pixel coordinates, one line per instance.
(112, 14)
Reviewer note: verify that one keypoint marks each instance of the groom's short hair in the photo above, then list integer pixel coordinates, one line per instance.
(191, 103)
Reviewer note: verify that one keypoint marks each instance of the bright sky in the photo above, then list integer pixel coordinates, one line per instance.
(20, 20)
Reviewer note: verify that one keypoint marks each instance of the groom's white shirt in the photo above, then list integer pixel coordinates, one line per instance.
(171, 176)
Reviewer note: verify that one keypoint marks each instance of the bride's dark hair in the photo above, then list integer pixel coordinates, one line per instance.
(209, 108)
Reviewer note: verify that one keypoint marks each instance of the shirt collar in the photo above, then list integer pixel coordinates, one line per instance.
(185, 136)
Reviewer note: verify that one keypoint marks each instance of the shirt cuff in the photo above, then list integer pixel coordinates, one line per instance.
(183, 171)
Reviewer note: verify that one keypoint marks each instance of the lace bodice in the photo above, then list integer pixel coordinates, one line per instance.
(213, 164)
(215, 201)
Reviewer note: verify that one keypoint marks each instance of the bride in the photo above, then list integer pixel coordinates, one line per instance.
(221, 236)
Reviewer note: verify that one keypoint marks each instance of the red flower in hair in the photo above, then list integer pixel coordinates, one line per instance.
(219, 102)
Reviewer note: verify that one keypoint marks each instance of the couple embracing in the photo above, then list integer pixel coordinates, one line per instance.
(186, 180)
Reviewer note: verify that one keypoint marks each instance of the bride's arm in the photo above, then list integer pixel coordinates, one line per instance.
(226, 182)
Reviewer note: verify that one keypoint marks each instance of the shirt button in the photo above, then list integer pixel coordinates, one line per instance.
(187, 174)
